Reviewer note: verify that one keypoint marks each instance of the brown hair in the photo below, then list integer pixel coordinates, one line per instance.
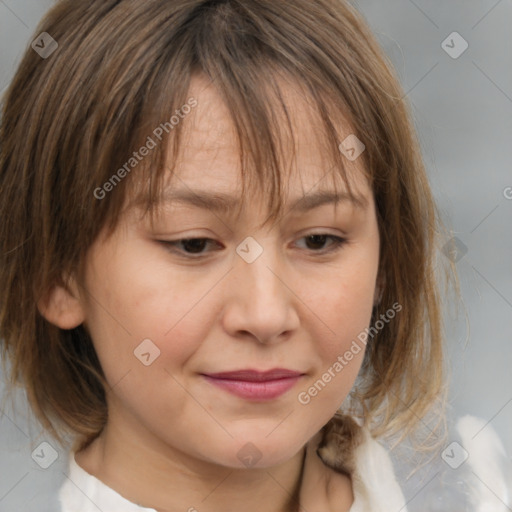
(122, 67)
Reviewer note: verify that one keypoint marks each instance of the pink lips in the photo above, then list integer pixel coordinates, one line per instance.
(255, 385)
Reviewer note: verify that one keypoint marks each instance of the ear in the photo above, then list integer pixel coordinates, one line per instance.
(62, 307)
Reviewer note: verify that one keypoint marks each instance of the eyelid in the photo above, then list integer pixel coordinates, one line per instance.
(338, 243)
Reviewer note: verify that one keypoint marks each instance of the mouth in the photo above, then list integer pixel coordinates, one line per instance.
(255, 385)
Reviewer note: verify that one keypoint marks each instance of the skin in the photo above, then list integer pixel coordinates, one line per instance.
(172, 438)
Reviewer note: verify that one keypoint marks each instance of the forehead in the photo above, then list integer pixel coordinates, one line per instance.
(209, 156)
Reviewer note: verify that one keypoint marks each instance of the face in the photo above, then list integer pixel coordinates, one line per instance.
(205, 291)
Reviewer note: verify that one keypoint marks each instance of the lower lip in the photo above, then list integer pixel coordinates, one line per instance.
(267, 390)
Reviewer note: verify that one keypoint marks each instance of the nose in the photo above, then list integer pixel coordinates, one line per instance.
(261, 302)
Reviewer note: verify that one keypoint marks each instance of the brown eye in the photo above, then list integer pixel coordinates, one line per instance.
(317, 242)
(194, 245)
(188, 245)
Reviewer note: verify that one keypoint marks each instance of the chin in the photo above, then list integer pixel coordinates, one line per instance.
(263, 453)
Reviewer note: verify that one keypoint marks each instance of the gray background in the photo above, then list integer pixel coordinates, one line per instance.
(463, 112)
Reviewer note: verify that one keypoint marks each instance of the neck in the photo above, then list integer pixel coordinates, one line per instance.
(167, 480)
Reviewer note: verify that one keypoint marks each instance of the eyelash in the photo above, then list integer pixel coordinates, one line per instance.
(338, 244)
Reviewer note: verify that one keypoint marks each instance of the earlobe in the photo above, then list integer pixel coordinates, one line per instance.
(62, 307)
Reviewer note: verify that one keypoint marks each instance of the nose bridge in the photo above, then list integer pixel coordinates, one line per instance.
(259, 267)
(260, 302)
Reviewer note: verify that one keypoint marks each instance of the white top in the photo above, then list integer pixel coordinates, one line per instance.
(374, 484)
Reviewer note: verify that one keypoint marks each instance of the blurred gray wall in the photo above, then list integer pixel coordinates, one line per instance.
(462, 107)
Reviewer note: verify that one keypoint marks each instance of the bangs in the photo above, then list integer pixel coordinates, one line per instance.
(266, 140)
(225, 48)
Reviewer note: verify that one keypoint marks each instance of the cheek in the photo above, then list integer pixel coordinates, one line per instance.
(344, 306)
(338, 356)
(134, 303)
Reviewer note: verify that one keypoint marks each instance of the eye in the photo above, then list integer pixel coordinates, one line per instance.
(195, 247)
(317, 241)
(189, 245)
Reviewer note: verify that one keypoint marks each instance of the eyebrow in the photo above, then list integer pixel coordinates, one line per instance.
(223, 203)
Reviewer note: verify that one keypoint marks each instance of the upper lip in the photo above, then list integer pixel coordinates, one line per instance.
(255, 375)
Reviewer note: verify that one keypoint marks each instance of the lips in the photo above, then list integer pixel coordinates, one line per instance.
(255, 385)
(255, 375)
